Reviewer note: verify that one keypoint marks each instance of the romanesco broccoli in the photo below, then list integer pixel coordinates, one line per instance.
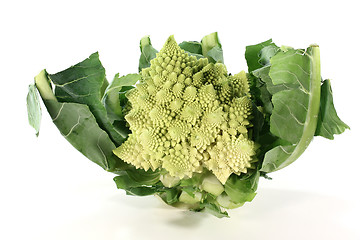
(186, 115)
(183, 128)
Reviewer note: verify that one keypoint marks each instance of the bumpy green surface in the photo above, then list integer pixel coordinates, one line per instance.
(186, 115)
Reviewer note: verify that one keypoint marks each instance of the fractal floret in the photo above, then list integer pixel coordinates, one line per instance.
(188, 114)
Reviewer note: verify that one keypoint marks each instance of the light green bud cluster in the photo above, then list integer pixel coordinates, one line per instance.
(187, 114)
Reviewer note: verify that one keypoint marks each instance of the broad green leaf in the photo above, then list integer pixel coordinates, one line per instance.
(190, 190)
(259, 93)
(147, 53)
(192, 184)
(138, 182)
(132, 178)
(289, 114)
(267, 88)
(276, 156)
(198, 56)
(267, 53)
(292, 67)
(242, 189)
(253, 55)
(329, 123)
(131, 187)
(211, 48)
(83, 83)
(112, 98)
(123, 81)
(170, 196)
(262, 81)
(213, 209)
(210, 41)
(78, 125)
(296, 104)
(144, 177)
(191, 47)
(119, 121)
(141, 191)
(263, 74)
(122, 95)
(215, 55)
(123, 181)
(33, 108)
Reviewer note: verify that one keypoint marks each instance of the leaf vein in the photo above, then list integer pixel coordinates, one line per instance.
(295, 76)
(75, 80)
(292, 114)
(58, 114)
(73, 127)
(283, 149)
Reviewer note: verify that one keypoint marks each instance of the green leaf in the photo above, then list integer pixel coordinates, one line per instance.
(259, 93)
(190, 190)
(123, 181)
(191, 47)
(194, 181)
(329, 123)
(296, 104)
(112, 98)
(258, 123)
(263, 74)
(170, 195)
(78, 125)
(289, 114)
(144, 177)
(213, 209)
(138, 182)
(253, 55)
(141, 191)
(211, 48)
(277, 156)
(33, 108)
(215, 55)
(147, 53)
(83, 83)
(242, 189)
(266, 53)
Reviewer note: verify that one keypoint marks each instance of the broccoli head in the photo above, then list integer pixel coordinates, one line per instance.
(187, 115)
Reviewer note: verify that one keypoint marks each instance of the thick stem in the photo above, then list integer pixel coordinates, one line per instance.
(43, 85)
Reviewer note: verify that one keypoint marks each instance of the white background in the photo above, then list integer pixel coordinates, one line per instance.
(50, 191)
